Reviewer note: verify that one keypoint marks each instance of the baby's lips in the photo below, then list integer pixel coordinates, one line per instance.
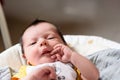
(46, 50)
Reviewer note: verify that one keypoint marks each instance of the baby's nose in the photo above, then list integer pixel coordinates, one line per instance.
(43, 42)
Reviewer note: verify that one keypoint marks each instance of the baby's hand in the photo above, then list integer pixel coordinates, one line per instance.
(62, 52)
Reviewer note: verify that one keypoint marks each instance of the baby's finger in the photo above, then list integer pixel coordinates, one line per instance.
(55, 51)
(53, 57)
(58, 57)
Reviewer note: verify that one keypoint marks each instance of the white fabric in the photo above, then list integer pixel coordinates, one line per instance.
(11, 57)
(86, 45)
(63, 71)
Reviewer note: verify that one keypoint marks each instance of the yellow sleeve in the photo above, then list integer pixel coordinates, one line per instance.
(78, 73)
(21, 73)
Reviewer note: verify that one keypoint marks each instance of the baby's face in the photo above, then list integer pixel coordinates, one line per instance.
(39, 41)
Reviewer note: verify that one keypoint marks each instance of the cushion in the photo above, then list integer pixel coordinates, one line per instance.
(12, 57)
(87, 45)
(83, 44)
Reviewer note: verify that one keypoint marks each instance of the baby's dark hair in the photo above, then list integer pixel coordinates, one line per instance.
(35, 22)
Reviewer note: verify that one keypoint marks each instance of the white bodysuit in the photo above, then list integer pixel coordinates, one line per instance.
(63, 71)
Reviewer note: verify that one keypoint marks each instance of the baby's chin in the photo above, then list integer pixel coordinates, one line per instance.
(47, 60)
(50, 60)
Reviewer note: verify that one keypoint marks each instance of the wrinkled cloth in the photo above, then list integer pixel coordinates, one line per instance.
(108, 63)
(5, 73)
(63, 71)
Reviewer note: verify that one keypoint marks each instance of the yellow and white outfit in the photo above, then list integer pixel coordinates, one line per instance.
(63, 71)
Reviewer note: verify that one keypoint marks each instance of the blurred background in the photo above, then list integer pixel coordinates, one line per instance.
(77, 17)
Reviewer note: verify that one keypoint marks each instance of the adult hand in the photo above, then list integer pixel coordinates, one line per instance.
(45, 73)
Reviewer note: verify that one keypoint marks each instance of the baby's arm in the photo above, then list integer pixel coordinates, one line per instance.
(86, 67)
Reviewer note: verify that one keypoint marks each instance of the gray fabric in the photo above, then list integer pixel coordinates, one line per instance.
(108, 63)
(5, 73)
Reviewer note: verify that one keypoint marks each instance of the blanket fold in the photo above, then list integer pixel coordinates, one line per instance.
(108, 63)
(5, 73)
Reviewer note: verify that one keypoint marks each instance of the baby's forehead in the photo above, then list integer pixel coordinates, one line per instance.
(40, 28)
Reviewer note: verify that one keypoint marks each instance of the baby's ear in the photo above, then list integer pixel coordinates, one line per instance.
(29, 63)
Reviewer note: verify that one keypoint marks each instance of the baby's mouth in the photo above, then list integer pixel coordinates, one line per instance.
(46, 53)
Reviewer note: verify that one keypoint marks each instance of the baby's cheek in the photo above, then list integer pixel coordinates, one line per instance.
(55, 42)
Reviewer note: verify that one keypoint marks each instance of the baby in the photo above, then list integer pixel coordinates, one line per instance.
(43, 45)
